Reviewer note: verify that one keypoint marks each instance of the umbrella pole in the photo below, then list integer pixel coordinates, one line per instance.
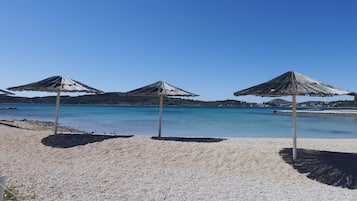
(57, 111)
(294, 127)
(160, 115)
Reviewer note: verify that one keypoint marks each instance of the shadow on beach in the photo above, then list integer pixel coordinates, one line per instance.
(331, 168)
(72, 140)
(7, 124)
(189, 139)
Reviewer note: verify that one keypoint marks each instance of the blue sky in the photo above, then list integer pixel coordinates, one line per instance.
(209, 47)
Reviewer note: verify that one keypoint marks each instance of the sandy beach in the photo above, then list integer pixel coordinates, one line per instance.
(75, 166)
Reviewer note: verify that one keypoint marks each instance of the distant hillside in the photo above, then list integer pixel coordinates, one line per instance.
(278, 103)
(115, 98)
(311, 104)
(340, 103)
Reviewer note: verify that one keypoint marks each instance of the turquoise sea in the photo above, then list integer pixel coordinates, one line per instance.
(187, 121)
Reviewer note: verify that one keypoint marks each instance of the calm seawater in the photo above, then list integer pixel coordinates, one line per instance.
(186, 121)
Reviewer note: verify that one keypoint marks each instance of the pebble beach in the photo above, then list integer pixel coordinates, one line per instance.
(76, 166)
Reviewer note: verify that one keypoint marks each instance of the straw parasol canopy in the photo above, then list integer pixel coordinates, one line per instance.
(293, 84)
(160, 89)
(3, 92)
(56, 84)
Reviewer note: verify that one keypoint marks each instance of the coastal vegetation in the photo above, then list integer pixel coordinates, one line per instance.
(13, 194)
(10, 194)
(117, 98)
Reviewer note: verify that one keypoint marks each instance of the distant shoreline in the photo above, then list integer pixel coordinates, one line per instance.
(337, 112)
(120, 99)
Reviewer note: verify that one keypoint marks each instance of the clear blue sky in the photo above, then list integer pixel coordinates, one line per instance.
(209, 47)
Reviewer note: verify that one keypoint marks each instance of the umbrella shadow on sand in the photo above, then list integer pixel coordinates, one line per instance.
(73, 140)
(189, 139)
(331, 168)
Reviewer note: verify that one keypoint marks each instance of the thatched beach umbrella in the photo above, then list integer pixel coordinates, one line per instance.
(56, 84)
(160, 89)
(293, 84)
(3, 92)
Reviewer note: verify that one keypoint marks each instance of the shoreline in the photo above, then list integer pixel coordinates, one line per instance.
(142, 168)
(336, 112)
(37, 125)
(48, 125)
(237, 122)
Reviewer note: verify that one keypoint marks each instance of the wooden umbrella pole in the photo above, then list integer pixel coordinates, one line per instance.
(160, 115)
(294, 127)
(57, 111)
